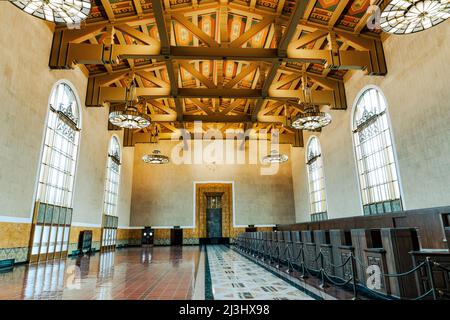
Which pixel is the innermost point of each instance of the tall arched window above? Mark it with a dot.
(53, 210)
(110, 220)
(377, 169)
(316, 180)
(112, 178)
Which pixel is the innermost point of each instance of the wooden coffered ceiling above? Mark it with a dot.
(231, 64)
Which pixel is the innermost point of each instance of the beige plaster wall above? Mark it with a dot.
(163, 195)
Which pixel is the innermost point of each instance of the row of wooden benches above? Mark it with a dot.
(392, 251)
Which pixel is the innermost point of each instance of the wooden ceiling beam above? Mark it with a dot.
(285, 80)
(65, 53)
(286, 38)
(122, 41)
(195, 30)
(338, 12)
(254, 30)
(236, 103)
(172, 68)
(274, 106)
(134, 33)
(307, 39)
(150, 77)
(294, 20)
(280, 6)
(172, 71)
(366, 52)
(109, 10)
(197, 74)
(138, 8)
(309, 8)
(241, 76)
(118, 94)
(203, 107)
(162, 26)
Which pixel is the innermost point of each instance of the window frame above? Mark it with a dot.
(49, 237)
(114, 138)
(381, 94)
(44, 136)
(323, 215)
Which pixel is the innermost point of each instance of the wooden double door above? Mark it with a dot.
(214, 218)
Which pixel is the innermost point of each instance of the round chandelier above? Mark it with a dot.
(311, 119)
(155, 158)
(130, 117)
(58, 11)
(275, 157)
(410, 16)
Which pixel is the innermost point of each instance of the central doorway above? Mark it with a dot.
(214, 217)
(214, 208)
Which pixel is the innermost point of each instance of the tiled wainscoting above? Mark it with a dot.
(166, 242)
(19, 254)
(15, 237)
(14, 240)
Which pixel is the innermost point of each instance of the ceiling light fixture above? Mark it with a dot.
(311, 119)
(58, 11)
(155, 157)
(410, 16)
(130, 117)
(275, 157)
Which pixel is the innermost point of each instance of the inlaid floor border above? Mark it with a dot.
(208, 282)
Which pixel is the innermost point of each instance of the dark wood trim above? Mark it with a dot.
(429, 222)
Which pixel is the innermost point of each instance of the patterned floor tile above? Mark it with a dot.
(233, 277)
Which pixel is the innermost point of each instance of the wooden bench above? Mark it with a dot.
(7, 265)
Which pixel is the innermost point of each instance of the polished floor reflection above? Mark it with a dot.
(148, 273)
(234, 277)
(135, 273)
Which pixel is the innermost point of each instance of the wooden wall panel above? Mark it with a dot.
(429, 222)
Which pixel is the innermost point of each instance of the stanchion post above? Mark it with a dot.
(429, 265)
(355, 289)
(322, 270)
(304, 275)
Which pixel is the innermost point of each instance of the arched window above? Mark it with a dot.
(53, 212)
(110, 220)
(377, 169)
(112, 178)
(316, 180)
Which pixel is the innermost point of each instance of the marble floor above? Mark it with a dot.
(234, 277)
(148, 273)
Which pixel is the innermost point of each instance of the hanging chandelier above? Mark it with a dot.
(58, 11)
(410, 16)
(130, 117)
(155, 157)
(275, 157)
(312, 119)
